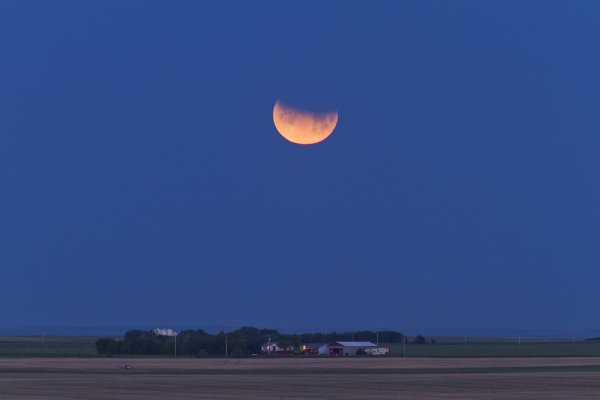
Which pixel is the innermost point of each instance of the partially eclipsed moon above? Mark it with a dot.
(303, 127)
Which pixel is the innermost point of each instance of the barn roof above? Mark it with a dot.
(314, 345)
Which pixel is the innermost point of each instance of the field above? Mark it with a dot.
(486, 347)
(299, 378)
(68, 368)
(54, 346)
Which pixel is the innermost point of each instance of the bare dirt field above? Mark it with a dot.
(299, 378)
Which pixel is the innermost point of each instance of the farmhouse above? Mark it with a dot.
(273, 348)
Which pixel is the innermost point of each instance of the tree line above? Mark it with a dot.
(240, 342)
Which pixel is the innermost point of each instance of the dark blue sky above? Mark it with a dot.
(142, 181)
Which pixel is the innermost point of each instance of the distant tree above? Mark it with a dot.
(391, 337)
(202, 353)
(433, 341)
(370, 336)
(419, 340)
(134, 334)
(190, 342)
(248, 331)
(237, 352)
(107, 346)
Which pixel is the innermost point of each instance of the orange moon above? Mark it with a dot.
(303, 127)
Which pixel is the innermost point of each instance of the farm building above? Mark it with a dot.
(377, 351)
(327, 349)
(273, 348)
(345, 348)
(312, 349)
(164, 332)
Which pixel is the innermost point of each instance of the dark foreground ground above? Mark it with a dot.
(300, 378)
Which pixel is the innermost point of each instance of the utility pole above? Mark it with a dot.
(226, 353)
(404, 341)
(377, 338)
(175, 344)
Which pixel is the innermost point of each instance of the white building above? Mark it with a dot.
(345, 348)
(378, 351)
(164, 332)
(272, 347)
